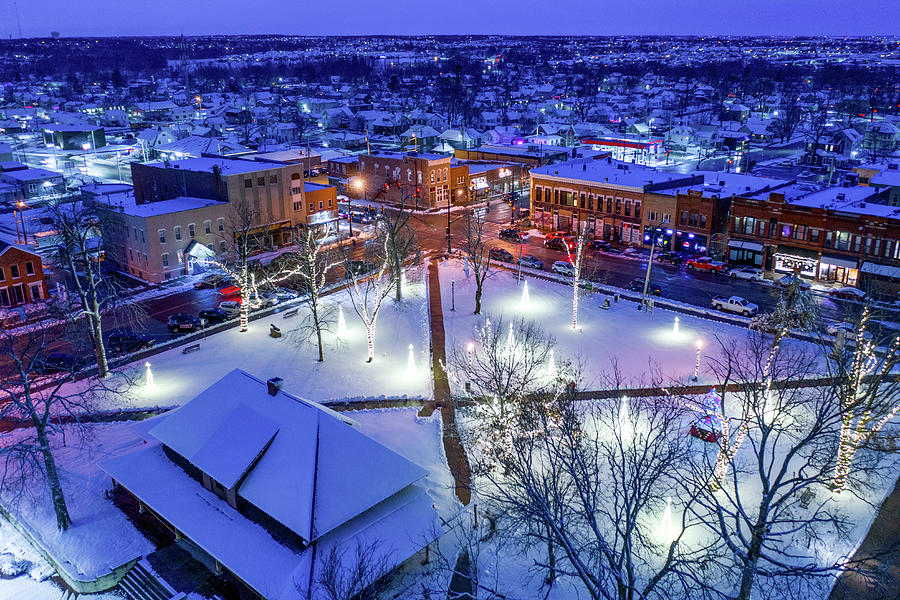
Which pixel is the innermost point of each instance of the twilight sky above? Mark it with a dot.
(359, 17)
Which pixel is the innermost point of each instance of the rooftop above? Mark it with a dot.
(162, 207)
(613, 173)
(206, 165)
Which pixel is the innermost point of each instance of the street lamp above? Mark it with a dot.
(360, 184)
(17, 215)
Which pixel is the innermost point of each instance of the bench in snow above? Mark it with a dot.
(191, 348)
(289, 313)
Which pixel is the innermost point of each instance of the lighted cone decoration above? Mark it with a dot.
(708, 426)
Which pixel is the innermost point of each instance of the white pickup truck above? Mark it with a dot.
(735, 304)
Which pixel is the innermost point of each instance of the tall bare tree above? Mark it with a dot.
(477, 254)
(370, 285)
(399, 242)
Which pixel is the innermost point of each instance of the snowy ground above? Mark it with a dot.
(633, 338)
(344, 373)
(101, 537)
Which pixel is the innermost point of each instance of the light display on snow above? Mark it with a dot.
(526, 298)
(510, 341)
(149, 383)
(551, 366)
(411, 361)
(342, 323)
(708, 426)
(626, 431)
(675, 327)
(667, 532)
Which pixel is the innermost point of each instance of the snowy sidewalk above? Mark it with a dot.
(456, 454)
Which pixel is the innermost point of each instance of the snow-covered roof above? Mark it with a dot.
(163, 207)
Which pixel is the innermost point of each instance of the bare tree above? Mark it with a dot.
(477, 254)
(78, 254)
(868, 394)
(776, 494)
(370, 285)
(358, 573)
(311, 262)
(399, 242)
(577, 267)
(33, 384)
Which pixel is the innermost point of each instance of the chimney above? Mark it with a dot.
(584, 167)
(273, 385)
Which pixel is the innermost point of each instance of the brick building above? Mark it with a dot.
(420, 178)
(21, 276)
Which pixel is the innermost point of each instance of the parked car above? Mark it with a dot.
(286, 294)
(513, 234)
(563, 267)
(599, 245)
(557, 243)
(501, 255)
(232, 291)
(183, 322)
(748, 273)
(735, 304)
(126, 341)
(705, 264)
(269, 298)
(848, 293)
(530, 262)
(231, 308)
(212, 281)
(850, 330)
(637, 285)
(56, 362)
(793, 279)
(214, 315)
(672, 258)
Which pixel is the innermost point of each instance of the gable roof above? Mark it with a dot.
(317, 471)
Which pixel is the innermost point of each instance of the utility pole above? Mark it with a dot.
(649, 265)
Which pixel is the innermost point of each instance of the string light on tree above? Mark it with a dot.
(697, 362)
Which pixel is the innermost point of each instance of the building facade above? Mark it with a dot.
(21, 276)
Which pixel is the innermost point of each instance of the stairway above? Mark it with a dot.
(141, 583)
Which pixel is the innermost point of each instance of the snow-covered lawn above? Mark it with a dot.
(344, 373)
(632, 338)
(101, 537)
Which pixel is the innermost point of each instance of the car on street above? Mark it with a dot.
(794, 280)
(671, 258)
(512, 234)
(232, 291)
(848, 293)
(599, 245)
(361, 217)
(56, 362)
(557, 243)
(212, 281)
(531, 262)
(637, 285)
(183, 322)
(563, 267)
(705, 263)
(748, 273)
(214, 315)
(230, 307)
(850, 330)
(735, 304)
(501, 255)
(285, 294)
(127, 341)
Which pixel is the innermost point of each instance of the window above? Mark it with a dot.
(666, 218)
(180, 255)
(692, 219)
(177, 229)
(273, 179)
(14, 271)
(2, 274)
(813, 234)
(628, 208)
(321, 205)
(637, 208)
(297, 205)
(260, 181)
(608, 205)
(432, 176)
(29, 268)
(787, 230)
(143, 240)
(207, 226)
(221, 223)
(419, 176)
(651, 215)
(165, 259)
(329, 202)
(409, 176)
(684, 217)
(248, 183)
(162, 236)
(35, 291)
(222, 246)
(618, 206)
(311, 207)
(703, 221)
(800, 232)
(192, 230)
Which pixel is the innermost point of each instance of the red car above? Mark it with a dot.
(705, 264)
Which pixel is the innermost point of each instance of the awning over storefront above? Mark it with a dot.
(882, 270)
(801, 252)
(838, 262)
(198, 250)
(745, 245)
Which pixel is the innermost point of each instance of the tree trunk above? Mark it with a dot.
(63, 520)
(477, 296)
(97, 335)
(370, 340)
(314, 304)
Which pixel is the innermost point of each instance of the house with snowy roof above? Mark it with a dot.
(269, 485)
